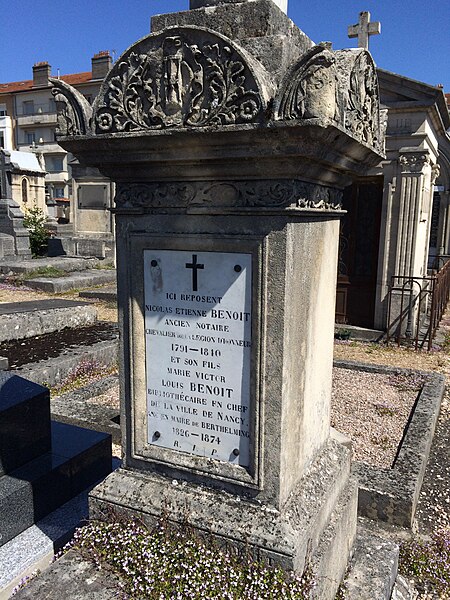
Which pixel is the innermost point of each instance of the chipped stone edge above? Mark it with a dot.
(391, 495)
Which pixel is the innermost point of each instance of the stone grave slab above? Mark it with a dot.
(21, 320)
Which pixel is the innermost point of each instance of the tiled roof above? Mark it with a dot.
(21, 86)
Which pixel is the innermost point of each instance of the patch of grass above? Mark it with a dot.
(49, 271)
(105, 265)
(427, 563)
(87, 371)
(170, 562)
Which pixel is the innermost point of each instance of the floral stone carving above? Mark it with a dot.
(228, 195)
(181, 77)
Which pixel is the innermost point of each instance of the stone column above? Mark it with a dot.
(444, 222)
(414, 202)
(414, 197)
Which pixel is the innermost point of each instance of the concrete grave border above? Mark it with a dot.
(391, 495)
(54, 370)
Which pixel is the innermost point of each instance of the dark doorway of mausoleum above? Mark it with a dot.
(358, 253)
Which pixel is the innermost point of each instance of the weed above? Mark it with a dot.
(104, 266)
(170, 562)
(427, 563)
(48, 271)
(34, 220)
(87, 371)
(386, 410)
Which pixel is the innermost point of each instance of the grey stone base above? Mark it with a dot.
(373, 569)
(72, 578)
(64, 263)
(318, 523)
(73, 409)
(104, 293)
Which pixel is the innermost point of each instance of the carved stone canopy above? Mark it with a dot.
(191, 77)
(188, 104)
(183, 77)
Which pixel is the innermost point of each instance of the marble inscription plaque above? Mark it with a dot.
(198, 346)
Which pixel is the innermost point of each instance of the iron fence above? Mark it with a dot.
(416, 305)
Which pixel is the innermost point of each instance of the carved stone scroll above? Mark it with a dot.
(74, 111)
(309, 90)
(183, 77)
(228, 195)
(358, 85)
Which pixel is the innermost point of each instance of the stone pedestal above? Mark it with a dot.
(227, 219)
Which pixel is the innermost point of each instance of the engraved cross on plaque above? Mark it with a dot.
(363, 29)
(194, 266)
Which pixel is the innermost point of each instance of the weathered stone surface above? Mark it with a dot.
(23, 320)
(373, 569)
(76, 279)
(73, 578)
(103, 293)
(288, 537)
(63, 263)
(73, 409)
(259, 27)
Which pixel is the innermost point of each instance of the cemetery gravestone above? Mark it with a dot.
(229, 178)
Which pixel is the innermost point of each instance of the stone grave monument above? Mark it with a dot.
(230, 136)
(14, 238)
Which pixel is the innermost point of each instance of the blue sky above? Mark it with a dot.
(415, 37)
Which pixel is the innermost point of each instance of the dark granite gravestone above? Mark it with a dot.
(43, 464)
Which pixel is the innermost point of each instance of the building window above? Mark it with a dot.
(28, 107)
(54, 164)
(30, 137)
(58, 192)
(24, 191)
(2, 140)
(3, 112)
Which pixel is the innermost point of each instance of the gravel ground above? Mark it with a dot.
(372, 409)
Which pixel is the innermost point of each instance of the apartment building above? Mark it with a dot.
(28, 122)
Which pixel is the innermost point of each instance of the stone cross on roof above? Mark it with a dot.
(282, 4)
(363, 29)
